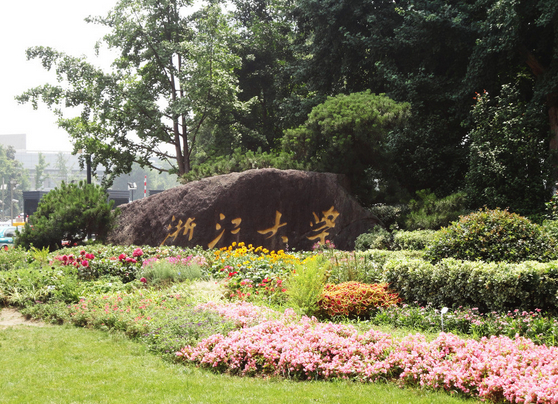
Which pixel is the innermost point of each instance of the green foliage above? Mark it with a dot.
(390, 215)
(240, 161)
(69, 213)
(305, 285)
(366, 266)
(489, 286)
(165, 271)
(493, 235)
(346, 134)
(377, 238)
(541, 329)
(380, 239)
(14, 258)
(354, 299)
(552, 207)
(170, 332)
(510, 164)
(430, 213)
(413, 240)
(31, 284)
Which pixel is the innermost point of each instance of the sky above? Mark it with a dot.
(55, 23)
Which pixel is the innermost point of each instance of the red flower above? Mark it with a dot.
(122, 257)
(85, 263)
(143, 280)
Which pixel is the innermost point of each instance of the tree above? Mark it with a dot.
(69, 213)
(519, 37)
(509, 164)
(14, 180)
(347, 134)
(40, 175)
(61, 166)
(172, 77)
(414, 51)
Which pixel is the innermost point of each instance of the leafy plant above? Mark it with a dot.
(354, 299)
(493, 235)
(69, 214)
(510, 164)
(305, 285)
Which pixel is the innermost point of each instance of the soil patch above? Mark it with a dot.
(10, 317)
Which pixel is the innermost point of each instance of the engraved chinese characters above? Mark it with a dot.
(319, 227)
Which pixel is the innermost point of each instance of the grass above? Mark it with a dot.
(64, 364)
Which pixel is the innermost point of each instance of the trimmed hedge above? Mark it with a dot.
(413, 240)
(489, 286)
(381, 239)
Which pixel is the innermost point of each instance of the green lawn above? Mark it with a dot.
(71, 365)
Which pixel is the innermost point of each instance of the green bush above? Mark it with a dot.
(305, 285)
(430, 213)
(381, 239)
(492, 286)
(69, 213)
(493, 235)
(390, 215)
(377, 238)
(413, 240)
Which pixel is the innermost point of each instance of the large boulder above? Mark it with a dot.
(271, 208)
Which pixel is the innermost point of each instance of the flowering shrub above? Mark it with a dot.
(327, 245)
(498, 368)
(253, 273)
(354, 299)
(90, 268)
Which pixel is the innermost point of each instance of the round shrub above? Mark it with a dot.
(491, 236)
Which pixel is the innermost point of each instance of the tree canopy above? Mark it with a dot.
(172, 77)
(202, 88)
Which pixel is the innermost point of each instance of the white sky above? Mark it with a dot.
(56, 23)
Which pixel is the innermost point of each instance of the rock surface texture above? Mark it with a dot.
(275, 209)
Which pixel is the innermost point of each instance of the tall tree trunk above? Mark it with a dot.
(552, 102)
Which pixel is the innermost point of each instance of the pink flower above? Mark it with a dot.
(137, 252)
(82, 252)
(85, 263)
(122, 257)
(131, 260)
(89, 256)
(143, 280)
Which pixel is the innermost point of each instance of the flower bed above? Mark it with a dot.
(494, 368)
